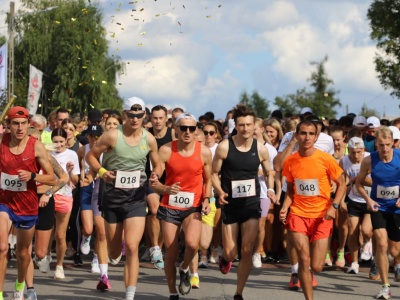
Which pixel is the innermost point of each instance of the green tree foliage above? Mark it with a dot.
(69, 45)
(384, 17)
(256, 103)
(321, 98)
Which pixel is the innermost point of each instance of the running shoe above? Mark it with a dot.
(294, 283)
(157, 259)
(269, 258)
(238, 297)
(366, 251)
(263, 255)
(397, 274)
(43, 264)
(328, 259)
(384, 293)
(340, 261)
(18, 295)
(203, 263)
(314, 279)
(95, 265)
(224, 266)
(103, 284)
(85, 245)
(184, 284)
(31, 294)
(354, 268)
(69, 253)
(174, 297)
(77, 260)
(195, 282)
(374, 272)
(256, 259)
(215, 255)
(146, 255)
(59, 273)
(115, 261)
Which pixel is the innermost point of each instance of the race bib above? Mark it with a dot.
(387, 192)
(307, 187)
(12, 183)
(366, 188)
(243, 188)
(127, 180)
(182, 199)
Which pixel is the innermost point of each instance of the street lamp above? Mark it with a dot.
(11, 28)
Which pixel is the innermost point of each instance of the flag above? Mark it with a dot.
(35, 87)
(3, 69)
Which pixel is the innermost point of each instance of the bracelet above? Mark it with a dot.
(272, 190)
(207, 198)
(101, 172)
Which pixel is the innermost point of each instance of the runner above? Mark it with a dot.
(310, 221)
(187, 193)
(238, 158)
(384, 203)
(20, 159)
(123, 171)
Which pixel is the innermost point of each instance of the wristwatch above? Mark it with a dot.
(33, 175)
(48, 193)
(335, 205)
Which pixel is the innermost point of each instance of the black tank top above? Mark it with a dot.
(160, 141)
(240, 166)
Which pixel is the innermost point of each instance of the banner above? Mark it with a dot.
(3, 69)
(35, 87)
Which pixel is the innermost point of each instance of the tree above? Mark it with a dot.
(69, 45)
(384, 17)
(256, 103)
(321, 98)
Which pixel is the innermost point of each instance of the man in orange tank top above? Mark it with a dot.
(21, 156)
(187, 193)
(310, 221)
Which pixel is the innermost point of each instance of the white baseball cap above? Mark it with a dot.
(133, 101)
(373, 122)
(305, 110)
(396, 132)
(356, 143)
(360, 121)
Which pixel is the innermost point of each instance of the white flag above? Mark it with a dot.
(35, 87)
(3, 68)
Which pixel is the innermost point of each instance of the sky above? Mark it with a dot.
(202, 54)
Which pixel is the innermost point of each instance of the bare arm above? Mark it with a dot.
(207, 183)
(269, 174)
(365, 169)
(281, 156)
(287, 202)
(42, 157)
(220, 155)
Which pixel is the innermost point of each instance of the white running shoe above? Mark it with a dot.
(257, 260)
(203, 263)
(85, 245)
(95, 265)
(354, 268)
(146, 255)
(43, 264)
(115, 261)
(366, 251)
(59, 273)
(384, 293)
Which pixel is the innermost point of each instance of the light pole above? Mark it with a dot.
(11, 28)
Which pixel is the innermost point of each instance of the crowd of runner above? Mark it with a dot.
(297, 189)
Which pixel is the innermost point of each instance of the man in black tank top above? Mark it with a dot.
(163, 135)
(237, 159)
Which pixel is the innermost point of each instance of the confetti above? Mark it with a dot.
(157, 15)
(78, 47)
(120, 83)
(103, 81)
(84, 67)
(140, 44)
(179, 23)
(208, 17)
(183, 6)
(122, 28)
(73, 19)
(113, 35)
(118, 23)
(95, 41)
(219, 5)
(136, 19)
(57, 22)
(143, 33)
(142, 9)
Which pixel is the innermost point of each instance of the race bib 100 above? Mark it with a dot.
(307, 187)
(387, 192)
(243, 188)
(182, 199)
(127, 179)
(12, 183)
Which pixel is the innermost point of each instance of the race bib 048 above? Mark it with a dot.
(307, 187)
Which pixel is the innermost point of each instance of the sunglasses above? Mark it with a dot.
(211, 133)
(135, 108)
(185, 128)
(132, 116)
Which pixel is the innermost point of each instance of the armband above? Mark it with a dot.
(101, 172)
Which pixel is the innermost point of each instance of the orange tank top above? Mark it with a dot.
(189, 172)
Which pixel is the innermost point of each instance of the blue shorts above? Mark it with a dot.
(21, 222)
(86, 197)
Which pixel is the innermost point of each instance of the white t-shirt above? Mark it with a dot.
(63, 158)
(323, 143)
(261, 178)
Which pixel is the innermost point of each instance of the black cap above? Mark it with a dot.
(316, 120)
(95, 115)
(277, 114)
(94, 130)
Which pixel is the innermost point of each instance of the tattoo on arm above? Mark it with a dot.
(58, 170)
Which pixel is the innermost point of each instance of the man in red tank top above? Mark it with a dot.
(21, 157)
(187, 193)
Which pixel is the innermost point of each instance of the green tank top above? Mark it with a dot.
(124, 157)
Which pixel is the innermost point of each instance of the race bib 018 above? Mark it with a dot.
(127, 179)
